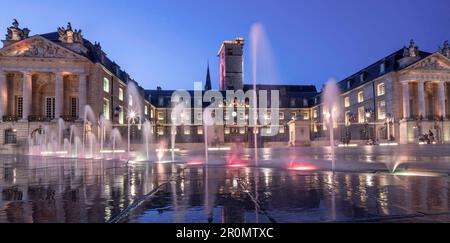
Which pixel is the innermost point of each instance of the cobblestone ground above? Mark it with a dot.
(287, 185)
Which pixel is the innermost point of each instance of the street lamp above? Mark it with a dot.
(131, 118)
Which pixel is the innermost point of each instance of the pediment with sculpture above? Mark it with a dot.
(38, 47)
(432, 63)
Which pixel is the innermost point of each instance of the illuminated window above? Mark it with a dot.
(152, 113)
(106, 108)
(120, 94)
(347, 118)
(187, 130)
(293, 115)
(130, 100)
(315, 128)
(380, 89)
(281, 115)
(161, 116)
(106, 85)
(315, 114)
(347, 101)
(361, 115)
(381, 110)
(160, 131)
(242, 130)
(200, 130)
(361, 97)
(146, 110)
(121, 115)
(281, 130)
(305, 116)
(227, 130)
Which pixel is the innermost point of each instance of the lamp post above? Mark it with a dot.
(131, 118)
(368, 116)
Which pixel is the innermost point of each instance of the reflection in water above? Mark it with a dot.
(68, 190)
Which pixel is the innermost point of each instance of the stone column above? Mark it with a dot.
(82, 90)
(421, 101)
(441, 95)
(59, 95)
(406, 105)
(27, 86)
(3, 95)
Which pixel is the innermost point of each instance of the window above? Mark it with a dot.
(382, 68)
(281, 130)
(199, 116)
(106, 108)
(106, 85)
(362, 77)
(74, 107)
(146, 110)
(281, 116)
(121, 115)
(361, 115)
(227, 130)
(381, 110)
(347, 118)
(380, 89)
(50, 107)
(315, 114)
(187, 130)
(10, 136)
(349, 84)
(200, 130)
(152, 113)
(19, 106)
(120, 94)
(242, 130)
(130, 100)
(292, 102)
(305, 103)
(347, 101)
(160, 131)
(361, 96)
(305, 116)
(293, 115)
(161, 116)
(161, 101)
(315, 128)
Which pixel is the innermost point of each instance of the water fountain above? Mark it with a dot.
(330, 98)
(89, 119)
(146, 132)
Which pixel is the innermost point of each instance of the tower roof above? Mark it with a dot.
(208, 79)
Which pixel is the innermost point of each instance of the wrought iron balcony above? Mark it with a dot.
(11, 118)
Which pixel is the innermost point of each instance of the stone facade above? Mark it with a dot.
(47, 77)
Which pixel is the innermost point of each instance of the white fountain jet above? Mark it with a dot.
(330, 98)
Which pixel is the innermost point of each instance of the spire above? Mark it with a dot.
(208, 80)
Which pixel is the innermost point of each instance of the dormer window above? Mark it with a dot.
(349, 84)
(305, 102)
(382, 68)
(362, 77)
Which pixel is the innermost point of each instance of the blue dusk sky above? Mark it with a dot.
(168, 42)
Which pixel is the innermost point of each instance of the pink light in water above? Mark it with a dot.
(301, 167)
(195, 162)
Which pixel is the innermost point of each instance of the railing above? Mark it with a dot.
(69, 118)
(11, 118)
(39, 119)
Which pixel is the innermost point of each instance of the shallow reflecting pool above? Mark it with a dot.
(45, 189)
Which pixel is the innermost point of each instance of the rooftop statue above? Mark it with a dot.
(411, 51)
(68, 35)
(15, 33)
(445, 50)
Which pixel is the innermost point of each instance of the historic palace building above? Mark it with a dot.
(56, 75)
